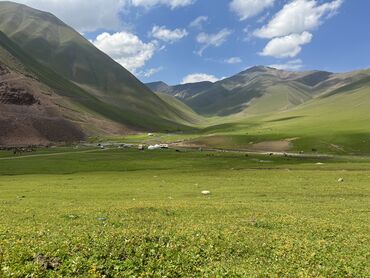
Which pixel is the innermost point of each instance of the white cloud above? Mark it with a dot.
(290, 65)
(263, 18)
(248, 8)
(170, 3)
(288, 46)
(167, 35)
(126, 48)
(212, 39)
(150, 72)
(198, 22)
(83, 15)
(298, 16)
(233, 60)
(199, 77)
(91, 15)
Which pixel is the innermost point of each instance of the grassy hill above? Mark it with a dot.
(112, 90)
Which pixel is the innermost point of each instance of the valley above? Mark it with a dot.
(233, 171)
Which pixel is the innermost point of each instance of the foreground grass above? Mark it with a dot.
(118, 213)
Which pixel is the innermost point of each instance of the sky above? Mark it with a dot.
(183, 41)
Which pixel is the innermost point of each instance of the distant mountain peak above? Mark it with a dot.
(259, 68)
(158, 83)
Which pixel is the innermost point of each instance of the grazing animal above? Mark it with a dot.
(206, 192)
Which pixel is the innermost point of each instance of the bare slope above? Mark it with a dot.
(29, 114)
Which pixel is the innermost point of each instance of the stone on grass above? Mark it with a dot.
(48, 263)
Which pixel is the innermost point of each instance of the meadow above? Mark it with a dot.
(124, 213)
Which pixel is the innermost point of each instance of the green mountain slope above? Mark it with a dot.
(259, 90)
(186, 111)
(273, 110)
(56, 46)
(83, 101)
(336, 122)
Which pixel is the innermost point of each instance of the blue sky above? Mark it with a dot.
(192, 40)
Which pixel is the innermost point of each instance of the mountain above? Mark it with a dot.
(159, 87)
(259, 90)
(310, 112)
(55, 86)
(184, 91)
(77, 70)
(192, 116)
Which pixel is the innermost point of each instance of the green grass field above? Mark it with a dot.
(122, 213)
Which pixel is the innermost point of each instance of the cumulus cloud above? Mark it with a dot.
(215, 40)
(248, 8)
(198, 22)
(167, 35)
(126, 48)
(199, 77)
(298, 16)
(233, 60)
(290, 65)
(170, 3)
(288, 46)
